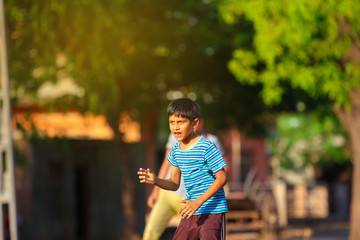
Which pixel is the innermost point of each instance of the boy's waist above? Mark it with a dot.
(204, 211)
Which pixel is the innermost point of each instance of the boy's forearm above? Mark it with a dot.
(166, 184)
(148, 176)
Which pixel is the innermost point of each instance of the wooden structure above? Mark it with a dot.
(252, 211)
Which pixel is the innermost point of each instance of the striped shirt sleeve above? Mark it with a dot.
(214, 159)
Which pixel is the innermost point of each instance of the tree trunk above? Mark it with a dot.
(149, 130)
(355, 200)
(351, 121)
(130, 226)
(131, 230)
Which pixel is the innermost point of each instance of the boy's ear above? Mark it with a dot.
(195, 123)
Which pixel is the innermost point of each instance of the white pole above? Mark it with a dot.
(7, 177)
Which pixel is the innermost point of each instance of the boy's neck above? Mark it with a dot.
(189, 142)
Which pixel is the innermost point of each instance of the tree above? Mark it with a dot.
(311, 45)
(127, 55)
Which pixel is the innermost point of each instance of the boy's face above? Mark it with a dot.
(181, 127)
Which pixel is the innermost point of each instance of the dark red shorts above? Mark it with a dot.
(204, 226)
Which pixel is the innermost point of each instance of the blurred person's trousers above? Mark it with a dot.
(167, 206)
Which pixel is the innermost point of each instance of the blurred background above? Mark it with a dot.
(277, 82)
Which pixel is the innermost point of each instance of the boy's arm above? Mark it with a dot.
(191, 206)
(226, 168)
(148, 176)
(162, 174)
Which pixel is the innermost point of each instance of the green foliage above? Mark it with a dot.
(127, 54)
(308, 44)
(303, 141)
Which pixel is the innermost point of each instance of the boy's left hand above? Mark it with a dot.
(147, 176)
(189, 208)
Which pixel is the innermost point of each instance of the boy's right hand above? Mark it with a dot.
(146, 176)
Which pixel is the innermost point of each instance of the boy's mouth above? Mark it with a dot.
(177, 134)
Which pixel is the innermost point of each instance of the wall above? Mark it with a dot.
(76, 190)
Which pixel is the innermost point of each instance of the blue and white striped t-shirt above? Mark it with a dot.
(198, 166)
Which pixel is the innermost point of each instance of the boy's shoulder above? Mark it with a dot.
(204, 142)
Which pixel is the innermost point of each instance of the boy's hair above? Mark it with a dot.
(184, 107)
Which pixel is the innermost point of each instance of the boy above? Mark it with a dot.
(202, 167)
(166, 204)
